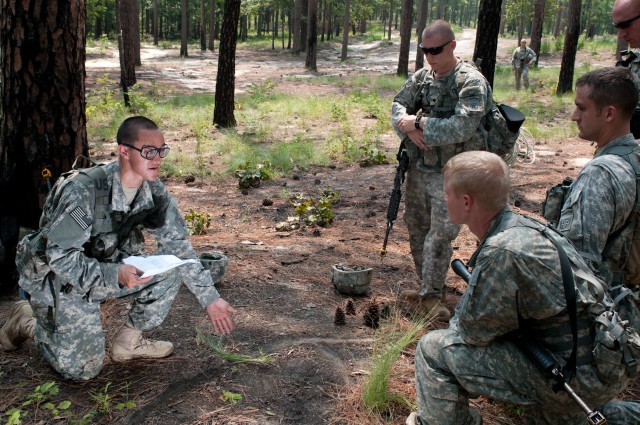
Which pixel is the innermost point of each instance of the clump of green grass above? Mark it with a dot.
(390, 340)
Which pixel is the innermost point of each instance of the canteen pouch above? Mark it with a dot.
(556, 195)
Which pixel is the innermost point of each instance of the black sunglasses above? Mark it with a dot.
(625, 24)
(433, 50)
(149, 152)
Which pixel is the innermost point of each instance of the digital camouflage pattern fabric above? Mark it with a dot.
(71, 264)
(455, 105)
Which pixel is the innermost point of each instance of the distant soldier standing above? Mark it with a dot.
(520, 61)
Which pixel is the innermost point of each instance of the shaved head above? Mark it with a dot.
(439, 27)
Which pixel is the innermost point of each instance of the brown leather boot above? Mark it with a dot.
(19, 327)
(431, 307)
(129, 344)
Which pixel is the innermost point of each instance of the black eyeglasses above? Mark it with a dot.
(150, 152)
(433, 50)
(625, 24)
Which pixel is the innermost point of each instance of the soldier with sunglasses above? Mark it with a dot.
(437, 114)
(91, 221)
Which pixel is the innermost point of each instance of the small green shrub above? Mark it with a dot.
(197, 223)
(250, 175)
(316, 211)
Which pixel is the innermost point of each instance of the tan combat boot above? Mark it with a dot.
(430, 307)
(19, 327)
(129, 344)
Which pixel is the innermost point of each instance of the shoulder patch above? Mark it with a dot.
(80, 217)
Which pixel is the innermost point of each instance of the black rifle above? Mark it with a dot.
(542, 359)
(396, 193)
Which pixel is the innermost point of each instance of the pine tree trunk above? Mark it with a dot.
(184, 30)
(312, 39)
(405, 38)
(487, 37)
(212, 26)
(225, 80)
(345, 33)
(536, 28)
(43, 122)
(423, 7)
(128, 56)
(565, 81)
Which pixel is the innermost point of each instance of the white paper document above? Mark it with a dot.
(155, 264)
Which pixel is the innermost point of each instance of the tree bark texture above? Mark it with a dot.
(127, 15)
(225, 80)
(423, 7)
(43, 122)
(484, 53)
(405, 38)
(536, 28)
(345, 33)
(212, 20)
(184, 30)
(312, 39)
(565, 81)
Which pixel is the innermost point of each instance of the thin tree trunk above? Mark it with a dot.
(312, 39)
(536, 28)
(405, 38)
(212, 25)
(565, 81)
(184, 30)
(487, 37)
(225, 79)
(423, 6)
(345, 33)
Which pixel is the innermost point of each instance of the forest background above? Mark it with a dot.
(291, 179)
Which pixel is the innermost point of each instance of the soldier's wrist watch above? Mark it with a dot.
(418, 118)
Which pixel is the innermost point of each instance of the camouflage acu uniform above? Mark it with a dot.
(596, 214)
(520, 64)
(71, 265)
(634, 67)
(455, 105)
(516, 283)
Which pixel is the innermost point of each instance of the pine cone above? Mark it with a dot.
(350, 309)
(372, 315)
(339, 317)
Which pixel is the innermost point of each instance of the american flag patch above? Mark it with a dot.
(79, 217)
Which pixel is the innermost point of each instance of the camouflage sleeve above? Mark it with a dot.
(462, 125)
(404, 103)
(634, 67)
(71, 223)
(172, 237)
(532, 55)
(598, 204)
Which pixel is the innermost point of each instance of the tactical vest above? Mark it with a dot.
(630, 274)
(553, 335)
(438, 99)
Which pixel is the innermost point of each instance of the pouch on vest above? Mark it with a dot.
(556, 195)
(502, 132)
(616, 350)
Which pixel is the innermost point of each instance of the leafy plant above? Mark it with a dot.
(229, 397)
(250, 175)
(316, 211)
(197, 223)
(39, 399)
(373, 156)
(261, 92)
